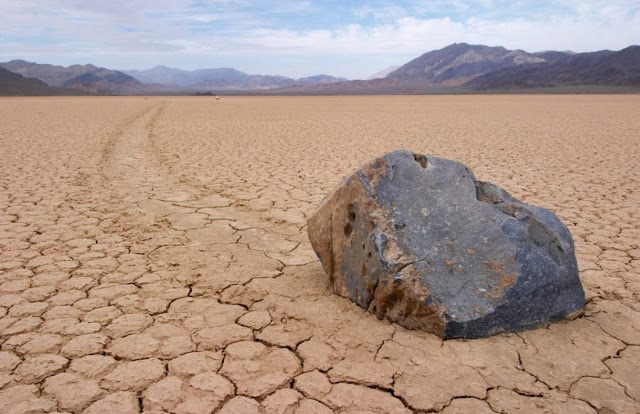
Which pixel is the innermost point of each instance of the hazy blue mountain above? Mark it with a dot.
(223, 78)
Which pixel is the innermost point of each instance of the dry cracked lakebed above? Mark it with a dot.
(154, 256)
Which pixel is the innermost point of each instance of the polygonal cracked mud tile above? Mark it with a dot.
(303, 254)
(216, 232)
(84, 345)
(132, 347)
(379, 374)
(282, 401)
(507, 401)
(587, 344)
(468, 406)
(203, 393)
(118, 402)
(625, 370)
(188, 221)
(258, 370)
(72, 392)
(242, 295)
(134, 376)
(160, 208)
(128, 324)
(193, 363)
(618, 320)
(497, 360)
(357, 398)
(605, 395)
(313, 384)
(93, 366)
(266, 241)
(318, 354)
(312, 406)
(255, 320)
(35, 369)
(213, 339)
(242, 405)
(288, 334)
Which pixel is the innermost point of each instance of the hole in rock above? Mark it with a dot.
(420, 159)
(352, 213)
(348, 230)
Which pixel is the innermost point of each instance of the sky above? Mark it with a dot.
(349, 38)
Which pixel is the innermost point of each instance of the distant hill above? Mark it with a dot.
(86, 78)
(170, 76)
(459, 62)
(222, 79)
(14, 84)
(457, 68)
(319, 80)
(464, 68)
(603, 68)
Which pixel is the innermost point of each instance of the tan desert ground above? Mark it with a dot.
(154, 256)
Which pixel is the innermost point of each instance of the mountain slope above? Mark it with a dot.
(14, 84)
(603, 68)
(459, 62)
(383, 73)
(82, 77)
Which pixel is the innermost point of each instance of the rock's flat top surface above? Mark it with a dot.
(179, 224)
(420, 241)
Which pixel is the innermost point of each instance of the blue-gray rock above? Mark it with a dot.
(418, 240)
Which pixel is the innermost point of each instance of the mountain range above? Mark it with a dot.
(86, 78)
(12, 84)
(464, 68)
(457, 68)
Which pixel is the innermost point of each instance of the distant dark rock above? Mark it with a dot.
(418, 240)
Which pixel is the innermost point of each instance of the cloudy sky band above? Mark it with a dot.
(300, 38)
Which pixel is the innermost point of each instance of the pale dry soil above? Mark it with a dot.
(154, 256)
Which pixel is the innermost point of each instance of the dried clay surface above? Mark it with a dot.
(154, 256)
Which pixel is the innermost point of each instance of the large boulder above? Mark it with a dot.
(418, 240)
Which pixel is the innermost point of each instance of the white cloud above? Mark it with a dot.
(143, 33)
(609, 27)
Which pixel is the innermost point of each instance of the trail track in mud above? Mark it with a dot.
(154, 258)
